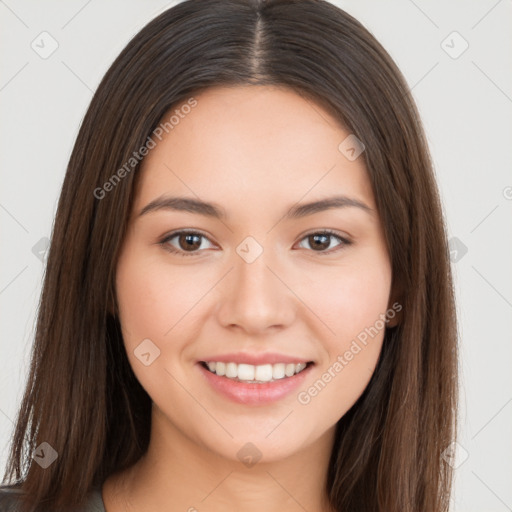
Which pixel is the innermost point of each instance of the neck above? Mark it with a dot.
(178, 474)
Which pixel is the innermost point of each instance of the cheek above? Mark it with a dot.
(357, 297)
(141, 303)
(153, 298)
(351, 298)
(152, 304)
(159, 303)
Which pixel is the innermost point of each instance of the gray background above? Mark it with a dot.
(466, 104)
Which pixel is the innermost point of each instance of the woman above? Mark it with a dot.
(248, 301)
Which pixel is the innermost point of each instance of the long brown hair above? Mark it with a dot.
(82, 397)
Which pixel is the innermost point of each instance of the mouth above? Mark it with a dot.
(255, 374)
(254, 384)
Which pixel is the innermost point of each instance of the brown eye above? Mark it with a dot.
(188, 243)
(321, 241)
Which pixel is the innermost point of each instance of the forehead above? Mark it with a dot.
(259, 144)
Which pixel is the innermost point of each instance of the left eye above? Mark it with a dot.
(322, 241)
(190, 242)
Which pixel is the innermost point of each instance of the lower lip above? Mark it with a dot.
(254, 394)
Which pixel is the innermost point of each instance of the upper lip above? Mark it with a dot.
(255, 359)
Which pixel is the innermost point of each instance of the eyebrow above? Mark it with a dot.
(190, 205)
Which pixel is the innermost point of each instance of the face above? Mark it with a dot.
(253, 318)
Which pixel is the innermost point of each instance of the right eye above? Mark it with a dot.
(188, 242)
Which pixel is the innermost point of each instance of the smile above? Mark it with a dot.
(254, 384)
(254, 374)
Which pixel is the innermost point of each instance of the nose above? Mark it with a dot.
(255, 297)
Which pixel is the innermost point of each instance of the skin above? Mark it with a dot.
(256, 151)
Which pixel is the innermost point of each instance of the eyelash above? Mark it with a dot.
(165, 241)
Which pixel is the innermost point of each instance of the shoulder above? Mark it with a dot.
(10, 498)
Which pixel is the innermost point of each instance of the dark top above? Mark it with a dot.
(9, 498)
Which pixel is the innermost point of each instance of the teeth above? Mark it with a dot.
(220, 368)
(289, 369)
(231, 370)
(245, 372)
(251, 373)
(278, 371)
(263, 373)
